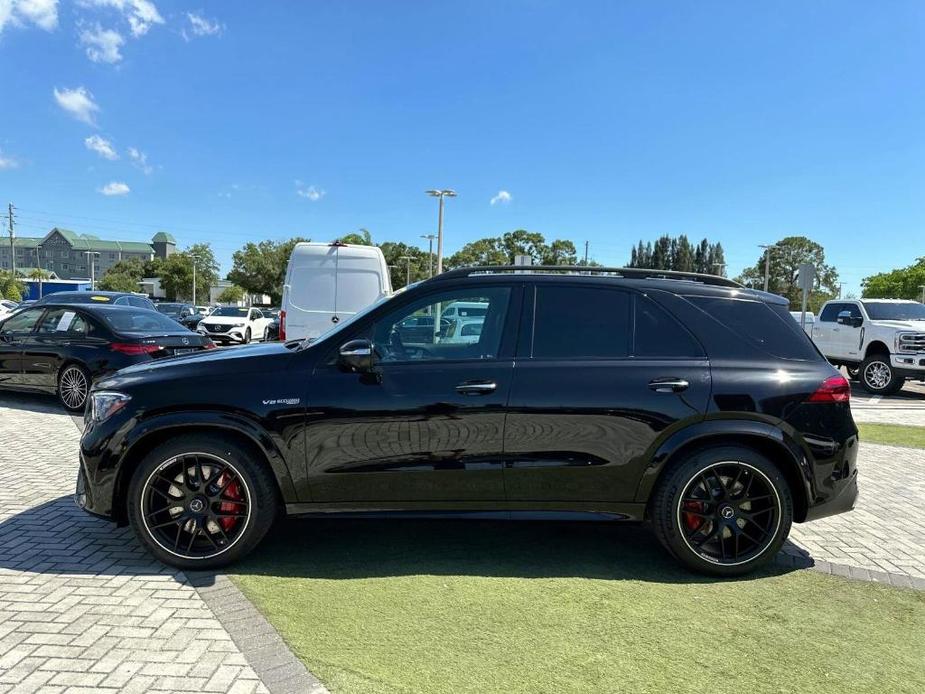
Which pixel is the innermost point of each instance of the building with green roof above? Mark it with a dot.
(67, 253)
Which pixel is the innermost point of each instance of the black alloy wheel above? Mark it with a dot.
(723, 511)
(198, 502)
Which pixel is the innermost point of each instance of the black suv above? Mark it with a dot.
(683, 400)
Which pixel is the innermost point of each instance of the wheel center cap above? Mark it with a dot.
(197, 505)
(727, 512)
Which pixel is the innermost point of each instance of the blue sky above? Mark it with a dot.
(603, 122)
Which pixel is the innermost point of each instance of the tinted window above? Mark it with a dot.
(770, 328)
(139, 302)
(61, 321)
(429, 330)
(132, 320)
(882, 310)
(580, 322)
(22, 322)
(658, 334)
(235, 311)
(830, 313)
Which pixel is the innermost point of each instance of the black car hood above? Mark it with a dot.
(218, 362)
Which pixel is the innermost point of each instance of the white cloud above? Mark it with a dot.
(8, 162)
(79, 103)
(101, 146)
(140, 160)
(41, 13)
(503, 198)
(310, 192)
(102, 44)
(114, 188)
(200, 25)
(140, 14)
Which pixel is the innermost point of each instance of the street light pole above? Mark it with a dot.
(195, 258)
(90, 256)
(407, 259)
(922, 287)
(440, 194)
(430, 252)
(767, 262)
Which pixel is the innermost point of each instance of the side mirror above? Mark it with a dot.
(356, 356)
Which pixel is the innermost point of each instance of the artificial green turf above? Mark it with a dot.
(892, 434)
(418, 606)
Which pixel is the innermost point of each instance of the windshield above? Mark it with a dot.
(140, 321)
(236, 311)
(882, 310)
(170, 309)
(335, 329)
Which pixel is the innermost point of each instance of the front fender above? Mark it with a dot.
(720, 428)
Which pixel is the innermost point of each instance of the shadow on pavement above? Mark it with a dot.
(57, 537)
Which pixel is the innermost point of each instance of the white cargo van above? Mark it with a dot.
(328, 282)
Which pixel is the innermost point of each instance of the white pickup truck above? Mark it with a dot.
(880, 341)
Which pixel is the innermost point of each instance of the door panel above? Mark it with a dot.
(406, 434)
(13, 331)
(576, 431)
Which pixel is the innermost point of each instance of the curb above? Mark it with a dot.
(856, 573)
(266, 652)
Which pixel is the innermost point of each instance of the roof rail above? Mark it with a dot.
(631, 273)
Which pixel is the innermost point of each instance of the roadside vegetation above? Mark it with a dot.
(892, 434)
(415, 606)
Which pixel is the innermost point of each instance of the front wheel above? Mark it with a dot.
(73, 387)
(724, 511)
(247, 336)
(879, 377)
(198, 502)
(854, 372)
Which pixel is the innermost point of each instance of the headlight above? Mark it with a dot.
(104, 404)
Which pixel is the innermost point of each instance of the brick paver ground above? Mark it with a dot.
(82, 607)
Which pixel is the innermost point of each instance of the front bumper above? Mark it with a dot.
(908, 365)
(235, 334)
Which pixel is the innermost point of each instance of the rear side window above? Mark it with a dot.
(659, 335)
(580, 323)
(769, 328)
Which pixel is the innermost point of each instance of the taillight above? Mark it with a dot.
(208, 344)
(133, 348)
(282, 326)
(833, 389)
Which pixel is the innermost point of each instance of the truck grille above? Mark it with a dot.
(912, 342)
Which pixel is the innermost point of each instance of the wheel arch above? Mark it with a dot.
(876, 347)
(153, 436)
(762, 437)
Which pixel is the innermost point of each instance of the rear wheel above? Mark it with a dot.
(879, 377)
(197, 502)
(724, 511)
(73, 387)
(854, 372)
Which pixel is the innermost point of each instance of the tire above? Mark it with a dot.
(73, 387)
(702, 516)
(878, 376)
(854, 372)
(198, 502)
(247, 336)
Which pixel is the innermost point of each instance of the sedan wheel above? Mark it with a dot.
(73, 387)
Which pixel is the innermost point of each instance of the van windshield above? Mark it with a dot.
(335, 329)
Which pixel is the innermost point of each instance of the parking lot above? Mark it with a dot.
(83, 608)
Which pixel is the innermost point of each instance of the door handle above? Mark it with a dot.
(668, 385)
(476, 387)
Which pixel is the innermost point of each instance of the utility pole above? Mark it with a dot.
(586, 252)
(440, 194)
(90, 256)
(38, 263)
(12, 241)
(430, 252)
(841, 285)
(407, 259)
(767, 262)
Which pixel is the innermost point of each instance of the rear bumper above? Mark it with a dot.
(835, 484)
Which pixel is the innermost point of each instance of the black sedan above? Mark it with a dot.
(63, 348)
(96, 299)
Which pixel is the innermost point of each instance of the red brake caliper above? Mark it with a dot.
(691, 520)
(233, 492)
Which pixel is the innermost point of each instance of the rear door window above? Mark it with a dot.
(572, 322)
(769, 328)
(659, 335)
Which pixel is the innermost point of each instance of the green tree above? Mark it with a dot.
(560, 252)
(786, 257)
(678, 253)
(489, 251)
(360, 237)
(395, 253)
(125, 275)
(901, 283)
(11, 287)
(231, 295)
(260, 268)
(504, 249)
(176, 272)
